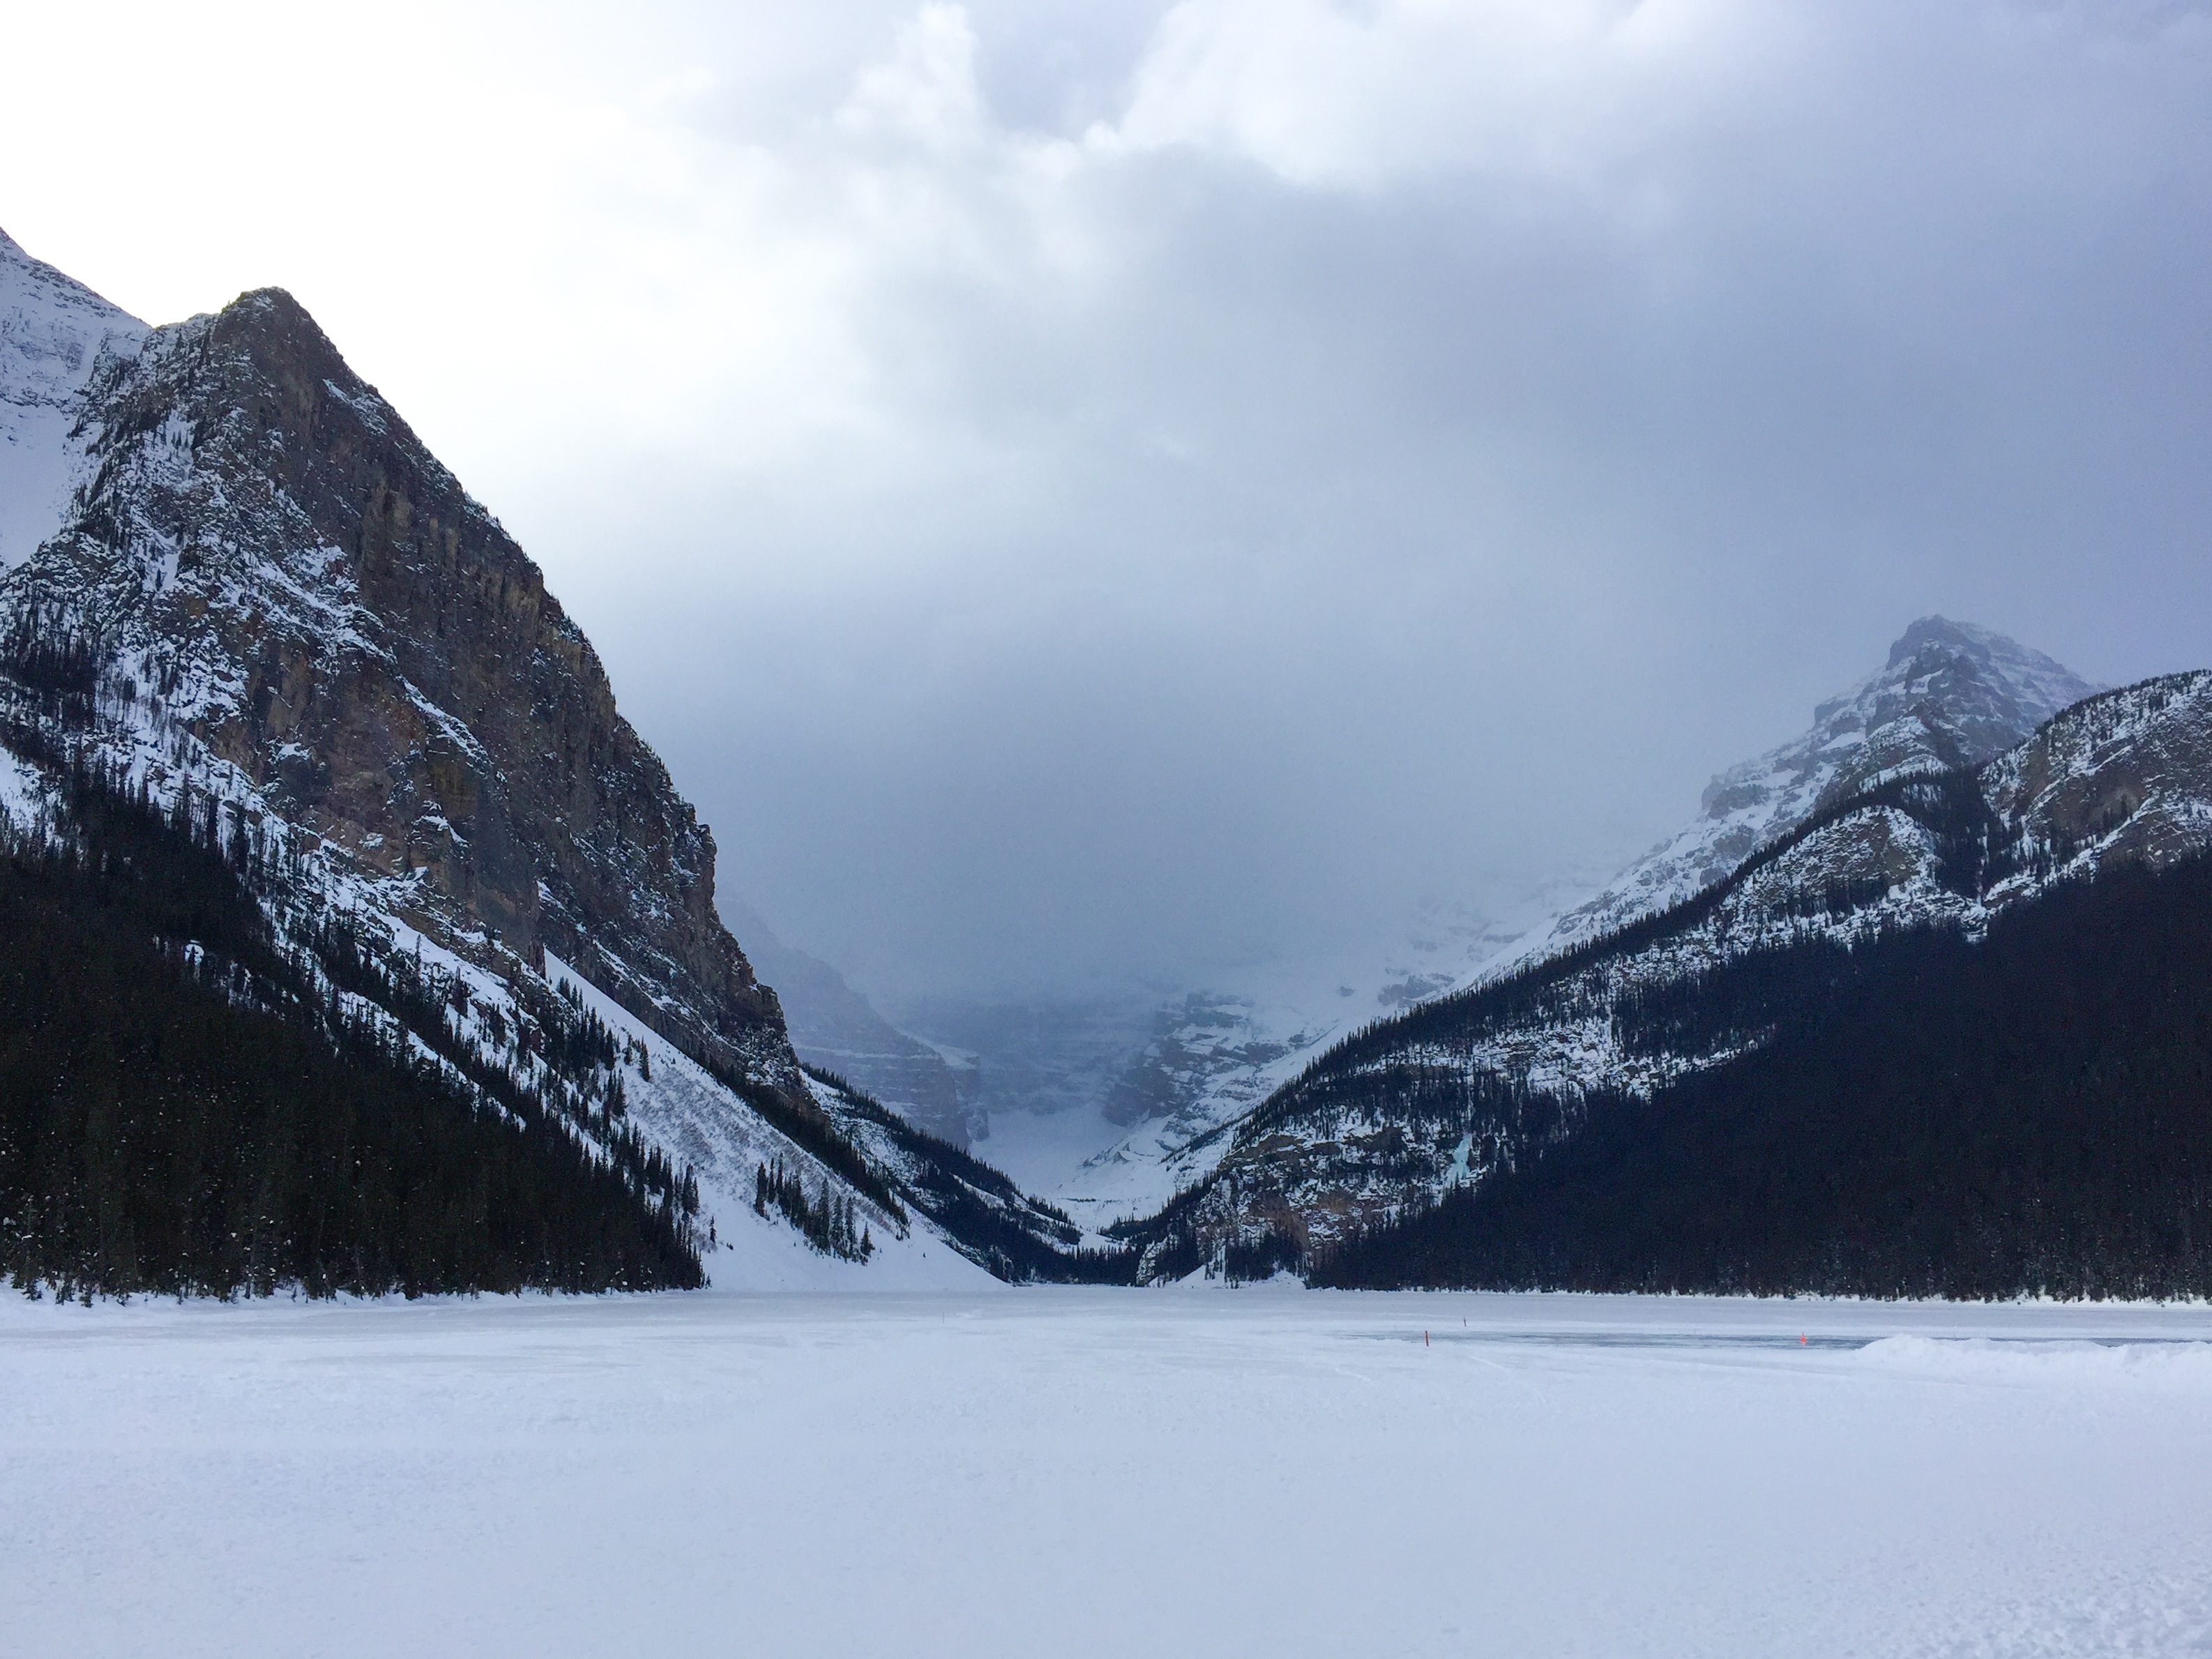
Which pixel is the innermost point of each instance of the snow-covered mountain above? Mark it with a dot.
(1088, 1099)
(1950, 695)
(52, 332)
(1209, 1056)
(836, 1028)
(1899, 837)
(239, 577)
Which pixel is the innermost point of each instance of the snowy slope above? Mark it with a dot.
(53, 331)
(687, 1111)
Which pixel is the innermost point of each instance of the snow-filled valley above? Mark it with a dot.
(1104, 1472)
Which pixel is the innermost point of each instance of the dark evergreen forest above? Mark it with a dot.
(185, 1108)
(2029, 1115)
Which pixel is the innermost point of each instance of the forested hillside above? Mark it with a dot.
(187, 1107)
(2030, 1114)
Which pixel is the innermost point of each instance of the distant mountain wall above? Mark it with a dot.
(835, 1027)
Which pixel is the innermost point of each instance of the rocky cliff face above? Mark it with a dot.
(268, 560)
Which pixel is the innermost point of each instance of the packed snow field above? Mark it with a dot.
(1267, 1472)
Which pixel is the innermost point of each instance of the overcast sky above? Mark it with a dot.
(1086, 489)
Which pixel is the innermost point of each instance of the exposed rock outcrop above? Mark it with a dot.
(269, 559)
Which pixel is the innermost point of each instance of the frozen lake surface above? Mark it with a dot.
(1062, 1472)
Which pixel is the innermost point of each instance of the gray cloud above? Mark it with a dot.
(1084, 491)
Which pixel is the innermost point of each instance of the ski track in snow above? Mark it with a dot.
(1081, 1473)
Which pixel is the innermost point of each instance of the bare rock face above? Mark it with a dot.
(264, 558)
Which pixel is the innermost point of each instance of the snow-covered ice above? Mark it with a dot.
(1267, 1472)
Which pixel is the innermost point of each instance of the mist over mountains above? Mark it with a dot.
(1112, 1104)
(1074, 526)
(296, 737)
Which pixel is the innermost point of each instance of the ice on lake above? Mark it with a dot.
(1064, 1472)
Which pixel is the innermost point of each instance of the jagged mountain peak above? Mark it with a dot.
(1950, 694)
(1973, 688)
(1985, 645)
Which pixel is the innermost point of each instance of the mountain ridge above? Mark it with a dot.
(1945, 690)
(1438, 1097)
(1950, 694)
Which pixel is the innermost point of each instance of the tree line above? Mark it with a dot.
(187, 1108)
